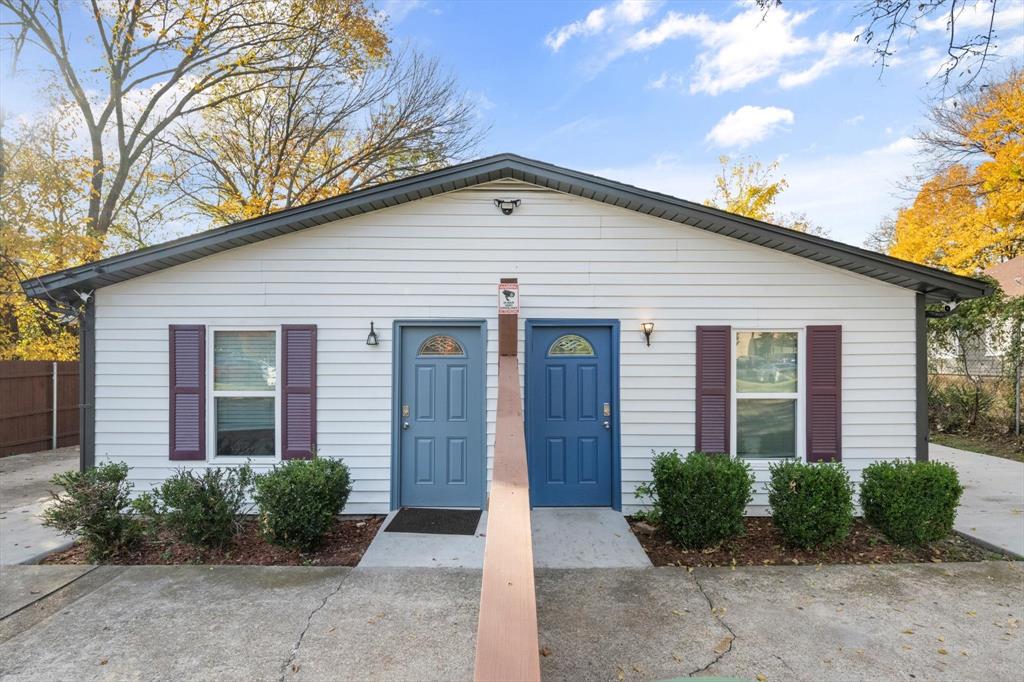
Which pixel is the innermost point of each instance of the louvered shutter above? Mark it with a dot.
(298, 391)
(824, 393)
(187, 380)
(713, 377)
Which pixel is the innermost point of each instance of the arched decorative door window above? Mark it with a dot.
(440, 344)
(571, 344)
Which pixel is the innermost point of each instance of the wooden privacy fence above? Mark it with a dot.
(38, 405)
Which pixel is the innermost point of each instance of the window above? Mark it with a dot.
(767, 394)
(440, 344)
(571, 344)
(244, 395)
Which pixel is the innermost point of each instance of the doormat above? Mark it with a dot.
(436, 521)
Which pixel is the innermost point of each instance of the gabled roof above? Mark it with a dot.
(936, 284)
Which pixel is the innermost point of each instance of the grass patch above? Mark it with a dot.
(1005, 446)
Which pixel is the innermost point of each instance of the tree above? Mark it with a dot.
(43, 227)
(968, 50)
(749, 188)
(969, 214)
(157, 63)
(881, 238)
(316, 133)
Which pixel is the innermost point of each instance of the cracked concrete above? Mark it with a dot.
(718, 615)
(783, 623)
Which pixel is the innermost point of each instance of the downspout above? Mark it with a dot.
(87, 386)
(921, 376)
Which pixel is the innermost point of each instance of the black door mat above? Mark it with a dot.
(436, 521)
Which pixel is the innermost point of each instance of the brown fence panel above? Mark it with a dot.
(26, 405)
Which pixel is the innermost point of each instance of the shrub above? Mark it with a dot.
(812, 504)
(203, 508)
(94, 506)
(913, 503)
(699, 500)
(299, 500)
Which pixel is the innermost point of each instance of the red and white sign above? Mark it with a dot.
(508, 298)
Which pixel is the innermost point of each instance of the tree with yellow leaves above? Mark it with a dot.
(749, 188)
(43, 227)
(970, 214)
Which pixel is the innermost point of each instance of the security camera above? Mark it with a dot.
(950, 306)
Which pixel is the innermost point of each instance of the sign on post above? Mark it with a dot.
(508, 298)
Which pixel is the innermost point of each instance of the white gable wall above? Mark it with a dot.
(442, 258)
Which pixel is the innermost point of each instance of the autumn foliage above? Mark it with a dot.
(970, 214)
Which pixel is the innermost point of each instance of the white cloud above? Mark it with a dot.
(749, 47)
(854, 120)
(621, 13)
(397, 10)
(848, 194)
(748, 124)
(903, 145)
(977, 16)
(838, 49)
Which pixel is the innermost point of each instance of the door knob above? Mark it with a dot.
(607, 424)
(405, 425)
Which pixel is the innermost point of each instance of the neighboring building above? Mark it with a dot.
(251, 340)
(1010, 276)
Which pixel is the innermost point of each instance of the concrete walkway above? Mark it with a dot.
(936, 622)
(583, 537)
(24, 490)
(992, 508)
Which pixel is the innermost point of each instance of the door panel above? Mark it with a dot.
(441, 455)
(569, 438)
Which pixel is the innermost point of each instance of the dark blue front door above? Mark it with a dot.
(569, 416)
(441, 411)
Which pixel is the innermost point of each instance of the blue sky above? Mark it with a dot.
(652, 93)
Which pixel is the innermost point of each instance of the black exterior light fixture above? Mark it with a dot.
(371, 339)
(507, 205)
(648, 329)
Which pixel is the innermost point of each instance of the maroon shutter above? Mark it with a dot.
(714, 359)
(824, 393)
(298, 391)
(188, 391)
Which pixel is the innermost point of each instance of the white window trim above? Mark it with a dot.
(758, 463)
(211, 395)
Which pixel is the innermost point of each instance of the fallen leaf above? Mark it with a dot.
(637, 668)
(723, 646)
(908, 631)
(545, 652)
(943, 652)
(907, 647)
(677, 657)
(941, 638)
(761, 677)
(622, 674)
(103, 661)
(972, 614)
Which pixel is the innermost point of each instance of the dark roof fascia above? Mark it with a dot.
(936, 284)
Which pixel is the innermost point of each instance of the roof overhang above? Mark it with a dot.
(937, 285)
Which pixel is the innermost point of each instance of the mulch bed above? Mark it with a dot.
(762, 545)
(344, 545)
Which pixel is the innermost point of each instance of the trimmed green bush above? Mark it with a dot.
(95, 506)
(204, 508)
(812, 504)
(913, 503)
(699, 500)
(299, 500)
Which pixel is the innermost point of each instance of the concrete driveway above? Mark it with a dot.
(24, 489)
(940, 622)
(992, 508)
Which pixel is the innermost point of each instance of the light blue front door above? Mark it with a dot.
(441, 412)
(569, 415)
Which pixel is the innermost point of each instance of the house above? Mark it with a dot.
(365, 327)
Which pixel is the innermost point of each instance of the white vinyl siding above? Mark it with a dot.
(442, 258)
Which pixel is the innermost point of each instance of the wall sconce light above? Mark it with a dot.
(648, 328)
(507, 205)
(371, 339)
